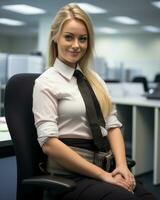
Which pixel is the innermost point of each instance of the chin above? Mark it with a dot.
(73, 61)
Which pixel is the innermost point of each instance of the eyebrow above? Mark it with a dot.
(73, 34)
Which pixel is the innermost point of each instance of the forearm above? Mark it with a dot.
(69, 159)
(117, 145)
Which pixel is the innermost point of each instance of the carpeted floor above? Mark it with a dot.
(147, 180)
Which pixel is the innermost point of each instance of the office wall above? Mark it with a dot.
(18, 44)
(43, 34)
(131, 51)
(4, 44)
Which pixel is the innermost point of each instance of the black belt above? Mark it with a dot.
(81, 143)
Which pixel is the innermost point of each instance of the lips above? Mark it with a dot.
(74, 53)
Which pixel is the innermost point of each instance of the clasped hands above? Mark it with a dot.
(121, 176)
(124, 177)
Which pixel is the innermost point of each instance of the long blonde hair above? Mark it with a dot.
(73, 11)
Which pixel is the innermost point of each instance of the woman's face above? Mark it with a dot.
(72, 42)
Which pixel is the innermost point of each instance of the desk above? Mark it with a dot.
(6, 145)
(141, 120)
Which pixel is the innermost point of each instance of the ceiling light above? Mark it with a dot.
(124, 20)
(152, 29)
(24, 9)
(156, 3)
(91, 8)
(106, 30)
(11, 22)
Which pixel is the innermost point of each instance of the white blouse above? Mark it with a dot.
(58, 106)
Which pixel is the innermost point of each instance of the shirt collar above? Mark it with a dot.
(64, 69)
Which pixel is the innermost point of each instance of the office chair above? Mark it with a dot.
(141, 79)
(31, 182)
(157, 78)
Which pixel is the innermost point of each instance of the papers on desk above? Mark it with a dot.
(3, 125)
(3, 128)
(4, 136)
(4, 133)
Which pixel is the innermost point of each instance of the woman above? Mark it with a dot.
(60, 114)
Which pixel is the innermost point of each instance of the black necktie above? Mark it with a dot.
(93, 111)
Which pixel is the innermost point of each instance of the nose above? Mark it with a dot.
(75, 43)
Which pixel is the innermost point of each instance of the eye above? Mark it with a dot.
(68, 37)
(83, 39)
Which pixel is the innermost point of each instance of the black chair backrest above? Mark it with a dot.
(157, 78)
(20, 121)
(141, 79)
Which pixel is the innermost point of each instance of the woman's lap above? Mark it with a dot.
(90, 189)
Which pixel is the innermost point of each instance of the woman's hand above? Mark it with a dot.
(116, 180)
(126, 175)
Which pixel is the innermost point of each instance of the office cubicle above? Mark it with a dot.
(141, 128)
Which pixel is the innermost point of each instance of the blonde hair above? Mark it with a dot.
(73, 11)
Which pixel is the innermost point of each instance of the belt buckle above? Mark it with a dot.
(107, 166)
(102, 160)
(99, 159)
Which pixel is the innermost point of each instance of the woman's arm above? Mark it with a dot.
(70, 160)
(118, 148)
(117, 145)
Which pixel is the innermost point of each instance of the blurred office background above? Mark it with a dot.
(127, 44)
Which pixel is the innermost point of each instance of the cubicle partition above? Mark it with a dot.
(141, 129)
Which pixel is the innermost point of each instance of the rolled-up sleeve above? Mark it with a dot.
(112, 120)
(45, 111)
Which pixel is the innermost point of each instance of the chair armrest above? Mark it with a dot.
(131, 163)
(50, 182)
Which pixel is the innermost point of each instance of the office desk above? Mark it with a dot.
(6, 145)
(141, 120)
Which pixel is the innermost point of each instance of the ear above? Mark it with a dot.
(55, 39)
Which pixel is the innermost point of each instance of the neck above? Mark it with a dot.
(69, 64)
